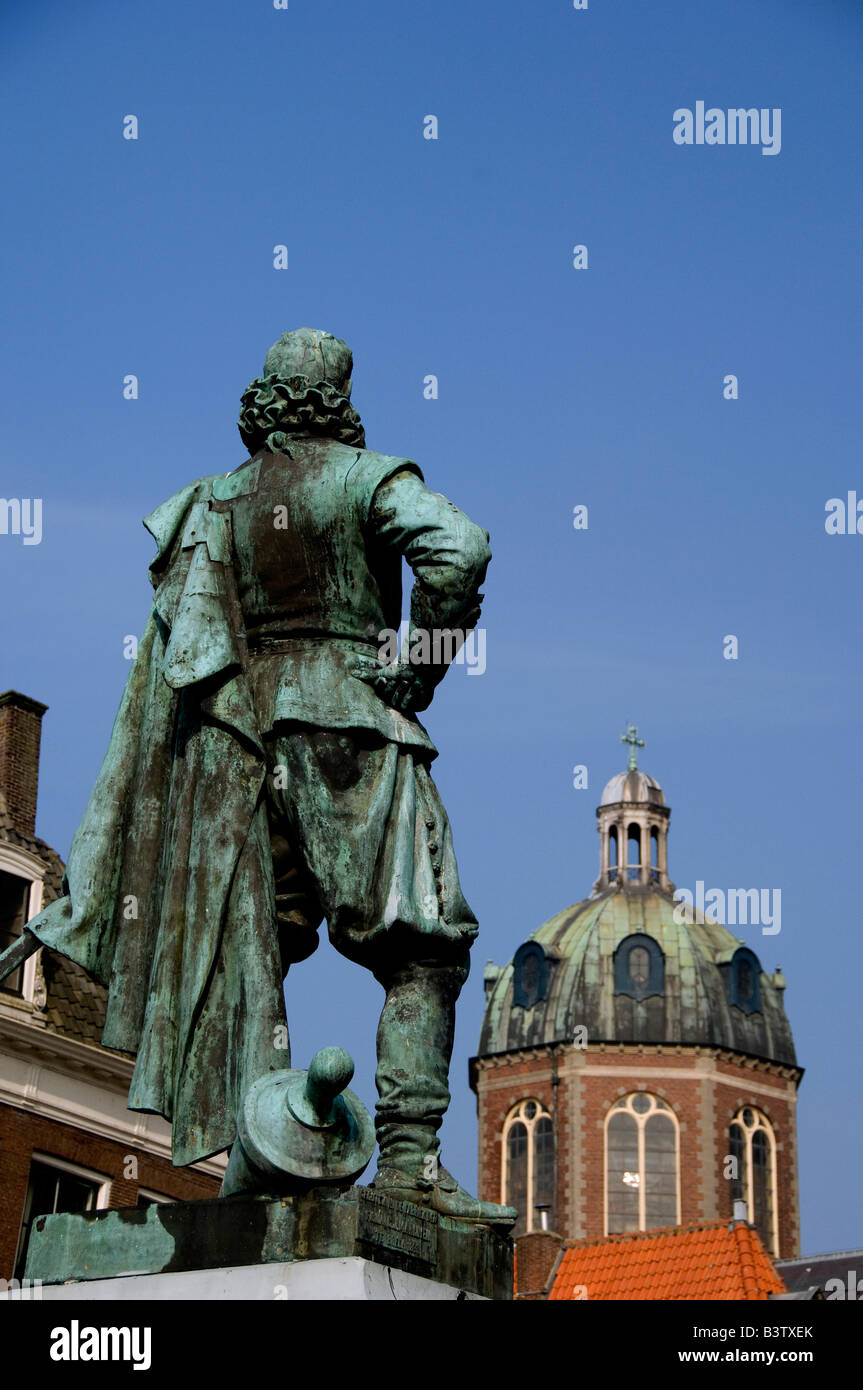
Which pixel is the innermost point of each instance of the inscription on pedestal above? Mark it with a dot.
(397, 1229)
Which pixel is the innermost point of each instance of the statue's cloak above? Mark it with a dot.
(169, 896)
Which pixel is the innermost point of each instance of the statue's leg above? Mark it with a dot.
(414, 1042)
(414, 1048)
(377, 843)
(293, 907)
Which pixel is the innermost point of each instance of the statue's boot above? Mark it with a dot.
(415, 1040)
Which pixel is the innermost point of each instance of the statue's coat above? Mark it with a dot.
(169, 871)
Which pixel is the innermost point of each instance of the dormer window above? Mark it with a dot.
(639, 967)
(530, 975)
(21, 875)
(14, 912)
(744, 981)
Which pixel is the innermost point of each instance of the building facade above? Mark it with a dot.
(636, 1068)
(67, 1141)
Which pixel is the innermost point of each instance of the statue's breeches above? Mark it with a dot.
(359, 837)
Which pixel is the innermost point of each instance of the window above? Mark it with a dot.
(528, 1169)
(146, 1198)
(641, 1165)
(530, 975)
(744, 981)
(21, 875)
(633, 853)
(55, 1185)
(654, 854)
(14, 912)
(639, 967)
(753, 1146)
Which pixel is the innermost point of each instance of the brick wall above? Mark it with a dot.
(22, 1132)
(703, 1087)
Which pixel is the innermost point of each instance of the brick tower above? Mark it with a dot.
(636, 1068)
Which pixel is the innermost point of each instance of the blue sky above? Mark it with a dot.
(602, 386)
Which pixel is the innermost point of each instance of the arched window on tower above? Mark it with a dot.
(752, 1147)
(642, 1187)
(613, 858)
(633, 853)
(654, 854)
(528, 1169)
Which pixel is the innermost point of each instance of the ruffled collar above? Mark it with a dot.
(273, 408)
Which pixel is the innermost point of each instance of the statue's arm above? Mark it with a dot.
(448, 554)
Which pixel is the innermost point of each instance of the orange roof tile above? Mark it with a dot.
(717, 1260)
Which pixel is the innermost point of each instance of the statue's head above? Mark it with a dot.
(305, 390)
(314, 354)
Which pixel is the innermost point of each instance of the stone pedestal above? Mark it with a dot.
(323, 1244)
(349, 1280)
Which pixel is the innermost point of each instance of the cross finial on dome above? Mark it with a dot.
(631, 737)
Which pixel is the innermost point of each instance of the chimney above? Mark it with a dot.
(20, 735)
(536, 1257)
(740, 1210)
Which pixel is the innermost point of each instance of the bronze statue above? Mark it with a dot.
(267, 771)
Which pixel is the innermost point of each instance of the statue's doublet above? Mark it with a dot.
(315, 590)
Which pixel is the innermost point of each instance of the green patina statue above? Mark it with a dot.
(267, 771)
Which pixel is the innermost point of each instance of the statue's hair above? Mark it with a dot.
(274, 408)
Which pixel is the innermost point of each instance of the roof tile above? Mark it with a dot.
(715, 1261)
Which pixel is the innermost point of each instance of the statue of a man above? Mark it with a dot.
(266, 772)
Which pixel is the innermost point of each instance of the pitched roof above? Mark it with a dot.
(801, 1273)
(716, 1260)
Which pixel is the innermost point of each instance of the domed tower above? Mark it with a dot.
(636, 1068)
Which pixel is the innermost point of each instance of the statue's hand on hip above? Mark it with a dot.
(400, 686)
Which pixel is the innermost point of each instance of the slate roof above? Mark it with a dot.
(76, 1004)
(694, 1008)
(808, 1270)
(717, 1260)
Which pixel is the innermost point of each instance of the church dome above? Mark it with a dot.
(631, 964)
(632, 786)
(621, 967)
